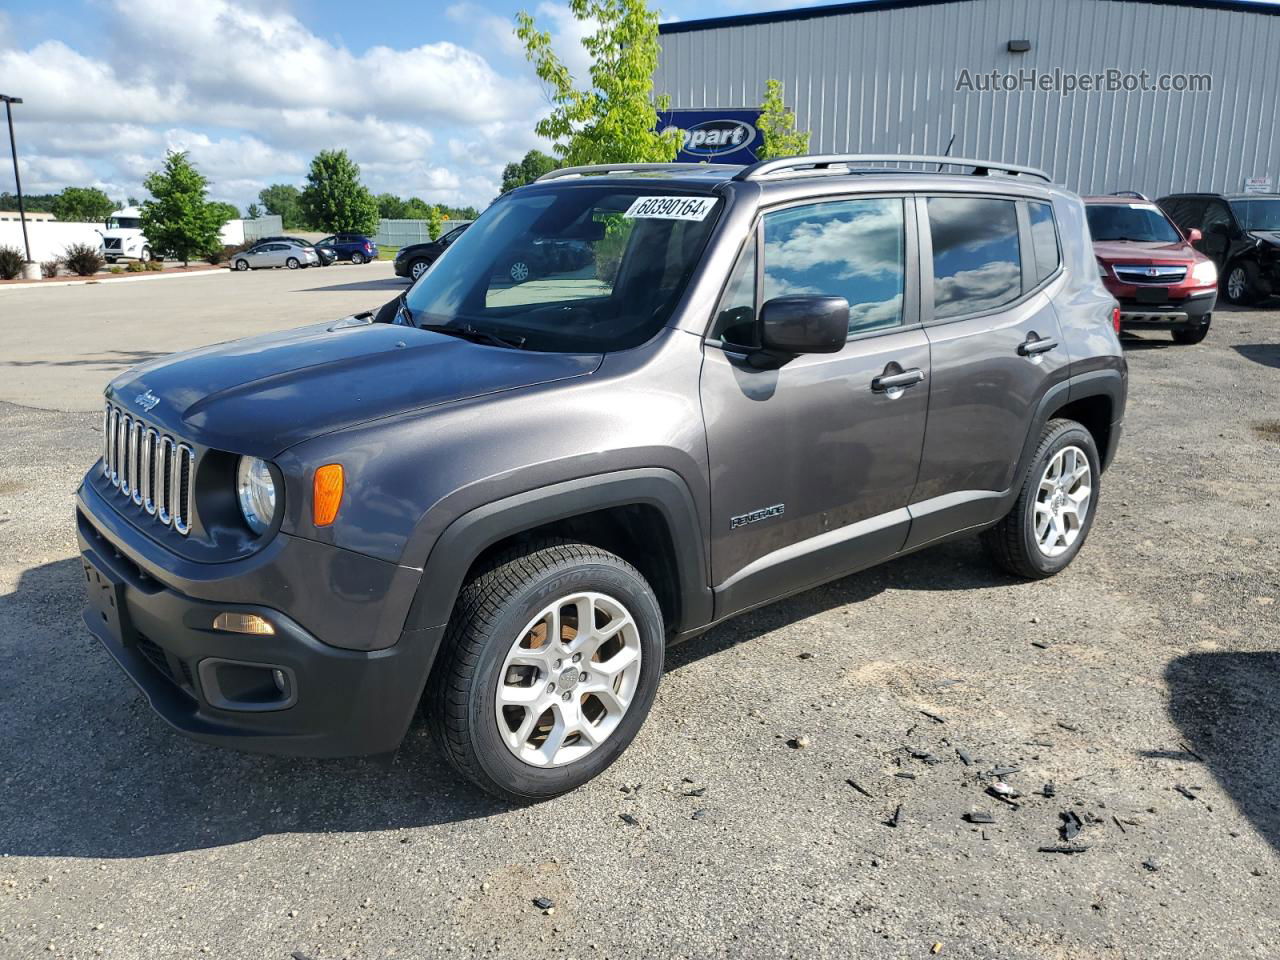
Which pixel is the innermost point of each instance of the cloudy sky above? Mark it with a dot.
(431, 99)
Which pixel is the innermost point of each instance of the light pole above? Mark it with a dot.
(28, 270)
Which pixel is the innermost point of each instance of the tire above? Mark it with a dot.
(112, 259)
(357, 258)
(1015, 542)
(417, 269)
(292, 263)
(145, 255)
(498, 616)
(241, 265)
(1188, 336)
(519, 271)
(1242, 283)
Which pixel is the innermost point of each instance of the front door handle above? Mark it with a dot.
(1033, 346)
(890, 382)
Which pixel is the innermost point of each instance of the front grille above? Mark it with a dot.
(111, 243)
(1144, 273)
(153, 471)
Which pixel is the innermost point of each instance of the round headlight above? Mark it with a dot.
(256, 491)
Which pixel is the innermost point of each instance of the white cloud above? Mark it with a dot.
(253, 93)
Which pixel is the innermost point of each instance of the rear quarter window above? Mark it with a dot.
(1044, 240)
(977, 262)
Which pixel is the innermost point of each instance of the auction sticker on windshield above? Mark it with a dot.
(671, 208)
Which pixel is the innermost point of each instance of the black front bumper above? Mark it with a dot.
(336, 701)
(1188, 314)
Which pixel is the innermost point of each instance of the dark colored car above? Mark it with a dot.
(412, 260)
(1160, 279)
(499, 503)
(1241, 235)
(355, 247)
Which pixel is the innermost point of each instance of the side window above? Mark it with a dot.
(977, 265)
(854, 249)
(1044, 239)
(736, 315)
(1217, 219)
(1186, 212)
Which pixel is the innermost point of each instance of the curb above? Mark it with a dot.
(111, 278)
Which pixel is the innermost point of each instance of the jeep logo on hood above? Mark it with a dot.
(713, 137)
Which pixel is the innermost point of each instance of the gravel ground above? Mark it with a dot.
(1141, 684)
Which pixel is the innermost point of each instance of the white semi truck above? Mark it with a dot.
(122, 238)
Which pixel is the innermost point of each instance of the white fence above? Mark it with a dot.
(401, 233)
(50, 238)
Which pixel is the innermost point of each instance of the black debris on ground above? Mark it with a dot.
(1048, 790)
(860, 788)
(698, 814)
(1119, 824)
(1042, 644)
(965, 757)
(1063, 848)
(798, 743)
(1071, 825)
(542, 903)
(933, 716)
(904, 775)
(629, 819)
(999, 773)
(980, 816)
(696, 792)
(1150, 865)
(896, 819)
(1185, 792)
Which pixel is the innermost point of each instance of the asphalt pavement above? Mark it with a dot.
(812, 779)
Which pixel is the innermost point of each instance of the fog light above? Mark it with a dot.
(282, 682)
(243, 623)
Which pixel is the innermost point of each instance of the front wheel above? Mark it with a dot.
(292, 263)
(1243, 283)
(357, 258)
(549, 668)
(1189, 336)
(242, 264)
(418, 268)
(1054, 511)
(145, 255)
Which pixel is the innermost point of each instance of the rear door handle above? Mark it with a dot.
(896, 381)
(1031, 347)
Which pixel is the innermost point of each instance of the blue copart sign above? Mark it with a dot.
(714, 136)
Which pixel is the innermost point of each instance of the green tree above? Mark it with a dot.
(334, 199)
(32, 203)
(778, 127)
(534, 165)
(460, 213)
(391, 207)
(178, 221)
(613, 117)
(435, 222)
(254, 212)
(283, 200)
(224, 211)
(82, 205)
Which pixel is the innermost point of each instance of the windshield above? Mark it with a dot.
(1130, 221)
(580, 268)
(1257, 214)
(124, 223)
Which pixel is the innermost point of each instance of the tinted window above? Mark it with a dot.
(1257, 214)
(1184, 211)
(854, 249)
(1217, 218)
(736, 316)
(1044, 239)
(976, 261)
(1129, 221)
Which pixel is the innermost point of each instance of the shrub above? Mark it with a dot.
(134, 266)
(50, 268)
(82, 259)
(11, 261)
(225, 253)
(115, 270)
(153, 265)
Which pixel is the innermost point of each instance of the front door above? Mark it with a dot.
(812, 463)
(996, 348)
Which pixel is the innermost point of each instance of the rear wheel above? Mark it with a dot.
(357, 257)
(292, 263)
(550, 666)
(1054, 511)
(418, 268)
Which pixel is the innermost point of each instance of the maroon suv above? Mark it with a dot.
(1151, 267)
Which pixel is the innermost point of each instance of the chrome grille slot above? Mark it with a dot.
(157, 473)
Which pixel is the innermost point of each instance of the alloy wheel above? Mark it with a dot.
(1236, 282)
(568, 680)
(519, 271)
(418, 269)
(1062, 501)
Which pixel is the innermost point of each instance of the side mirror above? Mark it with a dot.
(1194, 236)
(794, 325)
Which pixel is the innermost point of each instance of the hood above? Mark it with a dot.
(264, 394)
(1268, 236)
(1129, 251)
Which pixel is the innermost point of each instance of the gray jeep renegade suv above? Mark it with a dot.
(499, 498)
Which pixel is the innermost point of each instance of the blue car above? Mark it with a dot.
(355, 247)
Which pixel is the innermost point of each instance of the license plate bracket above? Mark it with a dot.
(105, 593)
(1148, 295)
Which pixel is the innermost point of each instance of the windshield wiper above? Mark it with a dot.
(474, 335)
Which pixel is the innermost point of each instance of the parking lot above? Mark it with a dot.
(1137, 692)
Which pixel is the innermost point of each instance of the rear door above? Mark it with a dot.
(812, 463)
(989, 265)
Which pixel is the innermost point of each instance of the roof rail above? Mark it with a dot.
(606, 168)
(1130, 193)
(820, 163)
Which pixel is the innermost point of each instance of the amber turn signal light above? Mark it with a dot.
(326, 494)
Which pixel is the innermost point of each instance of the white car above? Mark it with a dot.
(276, 254)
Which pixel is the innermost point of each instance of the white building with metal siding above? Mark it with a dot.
(881, 77)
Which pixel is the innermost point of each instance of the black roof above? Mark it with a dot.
(870, 6)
